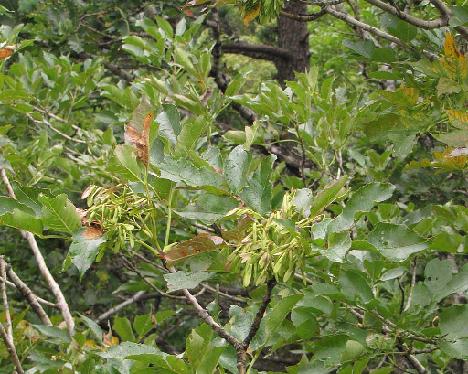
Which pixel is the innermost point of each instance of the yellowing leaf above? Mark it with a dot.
(450, 47)
(6, 52)
(411, 93)
(251, 14)
(457, 115)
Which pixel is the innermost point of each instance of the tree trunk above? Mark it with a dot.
(294, 37)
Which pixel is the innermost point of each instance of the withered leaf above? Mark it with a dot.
(6, 52)
(201, 243)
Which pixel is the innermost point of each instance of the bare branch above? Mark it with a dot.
(8, 324)
(205, 316)
(53, 286)
(30, 297)
(305, 17)
(54, 129)
(415, 21)
(259, 316)
(141, 295)
(11, 350)
(6, 331)
(413, 282)
(258, 51)
(372, 30)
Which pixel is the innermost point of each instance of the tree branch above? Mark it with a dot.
(6, 331)
(11, 350)
(30, 297)
(54, 287)
(141, 295)
(415, 21)
(6, 307)
(259, 316)
(372, 30)
(258, 51)
(305, 17)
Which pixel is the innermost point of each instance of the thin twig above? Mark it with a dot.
(141, 295)
(259, 316)
(53, 286)
(39, 299)
(68, 137)
(413, 282)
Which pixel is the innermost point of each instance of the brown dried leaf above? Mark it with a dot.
(6, 52)
(201, 243)
(240, 231)
(140, 140)
(92, 233)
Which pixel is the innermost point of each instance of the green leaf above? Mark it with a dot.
(183, 170)
(59, 214)
(123, 327)
(169, 122)
(94, 327)
(279, 312)
(126, 164)
(18, 216)
(142, 324)
(236, 168)
(363, 200)
(325, 197)
(354, 285)
(129, 350)
(8, 204)
(55, 334)
(84, 248)
(459, 16)
(191, 132)
(202, 354)
(453, 324)
(208, 208)
(399, 28)
(183, 280)
(396, 242)
(257, 193)
(364, 48)
(338, 245)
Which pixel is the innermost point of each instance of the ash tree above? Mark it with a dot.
(240, 186)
